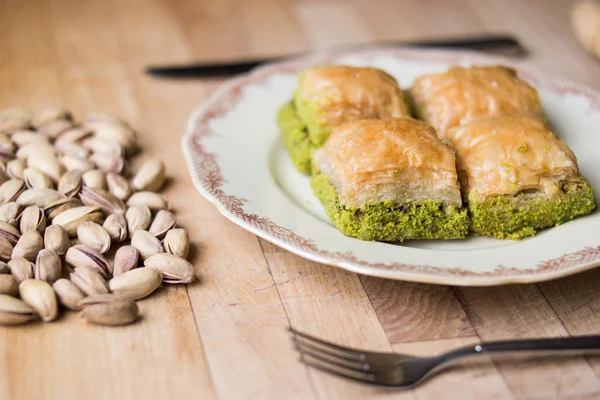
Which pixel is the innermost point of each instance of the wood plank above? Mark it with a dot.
(521, 311)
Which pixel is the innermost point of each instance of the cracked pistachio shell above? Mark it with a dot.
(48, 266)
(102, 199)
(59, 206)
(49, 115)
(73, 163)
(174, 269)
(153, 201)
(73, 217)
(56, 239)
(28, 246)
(10, 190)
(146, 244)
(11, 213)
(9, 232)
(150, 177)
(137, 283)
(70, 183)
(21, 268)
(12, 119)
(118, 186)
(94, 236)
(116, 227)
(68, 294)
(177, 242)
(138, 218)
(9, 285)
(82, 256)
(126, 259)
(36, 179)
(33, 219)
(16, 168)
(109, 163)
(94, 178)
(14, 311)
(109, 310)
(48, 164)
(89, 281)
(23, 137)
(40, 296)
(39, 197)
(163, 222)
(6, 249)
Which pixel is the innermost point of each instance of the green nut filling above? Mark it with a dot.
(519, 217)
(318, 132)
(391, 220)
(295, 138)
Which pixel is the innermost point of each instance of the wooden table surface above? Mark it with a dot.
(225, 336)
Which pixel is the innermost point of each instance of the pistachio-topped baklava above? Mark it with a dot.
(389, 180)
(517, 176)
(462, 95)
(330, 95)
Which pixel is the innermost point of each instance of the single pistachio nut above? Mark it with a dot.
(33, 219)
(109, 310)
(21, 268)
(37, 148)
(126, 259)
(15, 169)
(68, 294)
(94, 236)
(89, 281)
(36, 179)
(97, 144)
(73, 135)
(153, 201)
(102, 199)
(40, 296)
(116, 226)
(48, 164)
(11, 213)
(109, 163)
(10, 190)
(50, 115)
(4, 268)
(70, 183)
(9, 285)
(82, 256)
(59, 206)
(28, 246)
(177, 242)
(72, 149)
(73, 163)
(73, 217)
(174, 269)
(48, 266)
(118, 186)
(14, 311)
(9, 232)
(150, 177)
(94, 178)
(137, 283)
(146, 244)
(23, 137)
(138, 218)
(56, 128)
(12, 119)
(56, 239)
(6, 249)
(163, 222)
(39, 197)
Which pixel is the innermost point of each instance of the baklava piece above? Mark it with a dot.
(518, 177)
(389, 180)
(328, 96)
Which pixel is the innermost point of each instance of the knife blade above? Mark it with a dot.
(505, 43)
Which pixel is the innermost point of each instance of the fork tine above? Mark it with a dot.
(307, 349)
(332, 351)
(330, 347)
(337, 370)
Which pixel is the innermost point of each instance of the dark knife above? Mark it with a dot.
(505, 43)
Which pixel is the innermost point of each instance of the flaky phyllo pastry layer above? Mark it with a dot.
(463, 95)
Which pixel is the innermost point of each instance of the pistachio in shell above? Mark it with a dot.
(28, 246)
(40, 296)
(56, 239)
(68, 294)
(14, 311)
(21, 268)
(73, 217)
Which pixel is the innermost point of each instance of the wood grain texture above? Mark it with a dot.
(225, 336)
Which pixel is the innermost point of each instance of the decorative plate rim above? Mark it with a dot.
(208, 180)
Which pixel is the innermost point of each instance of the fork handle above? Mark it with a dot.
(577, 343)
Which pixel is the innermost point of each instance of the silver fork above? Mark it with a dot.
(391, 369)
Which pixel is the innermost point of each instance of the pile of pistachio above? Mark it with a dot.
(76, 228)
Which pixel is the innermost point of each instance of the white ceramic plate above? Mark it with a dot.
(237, 162)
